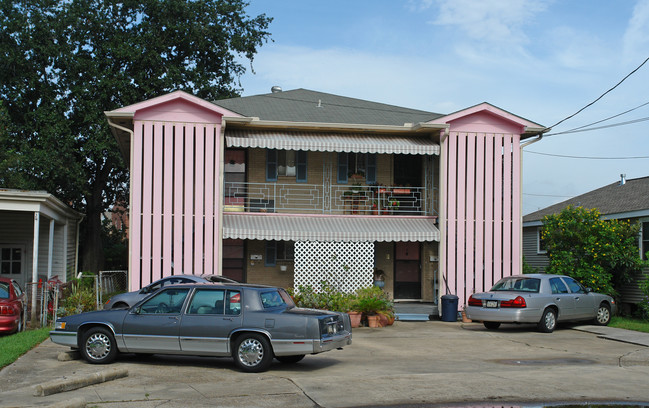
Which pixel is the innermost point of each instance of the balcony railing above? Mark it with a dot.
(327, 199)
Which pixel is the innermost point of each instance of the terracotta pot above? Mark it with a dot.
(383, 320)
(355, 318)
(373, 321)
(464, 318)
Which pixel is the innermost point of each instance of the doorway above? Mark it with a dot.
(407, 270)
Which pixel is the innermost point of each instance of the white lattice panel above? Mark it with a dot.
(346, 265)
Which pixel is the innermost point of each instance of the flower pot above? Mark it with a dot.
(464, 318)
(373, 321)
(355, 318)
(383, 320)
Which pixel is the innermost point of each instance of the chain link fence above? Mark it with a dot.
(44, 299)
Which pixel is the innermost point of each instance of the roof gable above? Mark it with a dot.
(485, 117)
(613, 199)
(303, 105)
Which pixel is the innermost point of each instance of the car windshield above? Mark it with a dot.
(517, 285)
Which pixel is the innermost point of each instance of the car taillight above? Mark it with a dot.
(7, 311)
(519, 302)
(474, 302)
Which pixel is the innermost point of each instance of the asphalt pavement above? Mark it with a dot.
(410, 363)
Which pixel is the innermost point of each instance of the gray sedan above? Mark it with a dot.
(250, 323)
(541, 299)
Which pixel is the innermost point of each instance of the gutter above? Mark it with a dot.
(539, 136)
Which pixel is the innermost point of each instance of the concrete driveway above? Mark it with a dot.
(417, 363)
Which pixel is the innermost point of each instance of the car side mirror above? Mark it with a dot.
(136, 310)
(588, 290)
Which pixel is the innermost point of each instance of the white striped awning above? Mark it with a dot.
(293, 227)
(332, 142)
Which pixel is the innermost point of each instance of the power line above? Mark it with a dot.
(600, 127)
(601, 96)
(547, 195)
(574, 130)
(588, 157)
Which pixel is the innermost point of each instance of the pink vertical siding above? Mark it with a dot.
(168, 205)
(470, 216)
(211, 162)
(483, 212)
(507, 205)
(517, 216)
(489, 210)
(479, 214)
(174, 190)
(158, 183)
(135, 227)
(199, 189)
(147, 180)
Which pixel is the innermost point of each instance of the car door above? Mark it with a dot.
(211, 316)
(562, 297)
(154, 326)
(584, 302)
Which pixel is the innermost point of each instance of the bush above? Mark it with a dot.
(643, 305)
(372, 300)
(77, 296)
(369, 300)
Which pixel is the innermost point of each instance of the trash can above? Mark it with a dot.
(449, 308)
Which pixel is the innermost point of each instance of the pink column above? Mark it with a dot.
(470, 271)
(178, 193)
(210, 172)
(157, 238)
(516, 206)
(199, 188)
(479, 212)
(147, 192)
(167, 209)
(489, 210)
(188, 228)
(451, 205)
(135, 226)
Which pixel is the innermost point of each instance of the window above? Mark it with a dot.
(169, 301)
(575, 287)
(10, 261)
(279, 251)
(207, 302)
(271, 299)
(644, 245)
(558, 286)
(362, 164)
(540, 242)
(286, 163)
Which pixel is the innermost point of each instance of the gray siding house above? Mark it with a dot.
(625, 199)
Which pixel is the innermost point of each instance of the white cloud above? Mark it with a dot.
(636, 37)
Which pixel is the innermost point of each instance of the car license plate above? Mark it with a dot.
(492, 303)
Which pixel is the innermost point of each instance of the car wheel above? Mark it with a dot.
(491, 325)
(603, 315)
(98, 346)
(548, 321)
(289, 359)
(252, 353)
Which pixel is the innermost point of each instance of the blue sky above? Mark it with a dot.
(540, 59)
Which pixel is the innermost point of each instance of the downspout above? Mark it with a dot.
(441, 258)
(130, 196)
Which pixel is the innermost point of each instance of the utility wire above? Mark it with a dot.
(599, 121)
(600, 127)
(600, 97)
(588, 157)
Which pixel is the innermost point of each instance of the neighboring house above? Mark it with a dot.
(297, 187)
(625, 199)
(39, 237)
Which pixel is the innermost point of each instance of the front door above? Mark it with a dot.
(407, 271)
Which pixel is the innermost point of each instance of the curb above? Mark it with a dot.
(72, 403)
(73, 383)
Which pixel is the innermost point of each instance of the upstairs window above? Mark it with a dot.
(356, 164)
(286, 163)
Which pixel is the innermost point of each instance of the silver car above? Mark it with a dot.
(250, 323)
(126, 300)
(539, 298)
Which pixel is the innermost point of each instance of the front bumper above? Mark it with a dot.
(64, 338)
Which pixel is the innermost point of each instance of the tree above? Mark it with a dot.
(65, 62)
(601, 254)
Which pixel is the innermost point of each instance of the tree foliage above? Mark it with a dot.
(601, 254)
(65, 62)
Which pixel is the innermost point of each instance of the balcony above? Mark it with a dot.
(333, 199)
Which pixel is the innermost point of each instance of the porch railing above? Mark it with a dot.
(327, 199)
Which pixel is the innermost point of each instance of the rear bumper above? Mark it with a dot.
(9, 324)
(332, 343)
(525, 315)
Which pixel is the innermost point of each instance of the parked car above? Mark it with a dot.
(126, 300)
(539, 298)
(250, 323)
(13, 310)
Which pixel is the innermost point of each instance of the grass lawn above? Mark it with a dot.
(630, 324)
(15, 345)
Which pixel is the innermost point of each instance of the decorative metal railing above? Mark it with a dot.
(327, 199)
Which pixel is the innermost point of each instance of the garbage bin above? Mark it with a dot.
(449, 308)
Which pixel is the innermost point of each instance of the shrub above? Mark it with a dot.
(372, 300)
(643, 305)
(77, 296)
